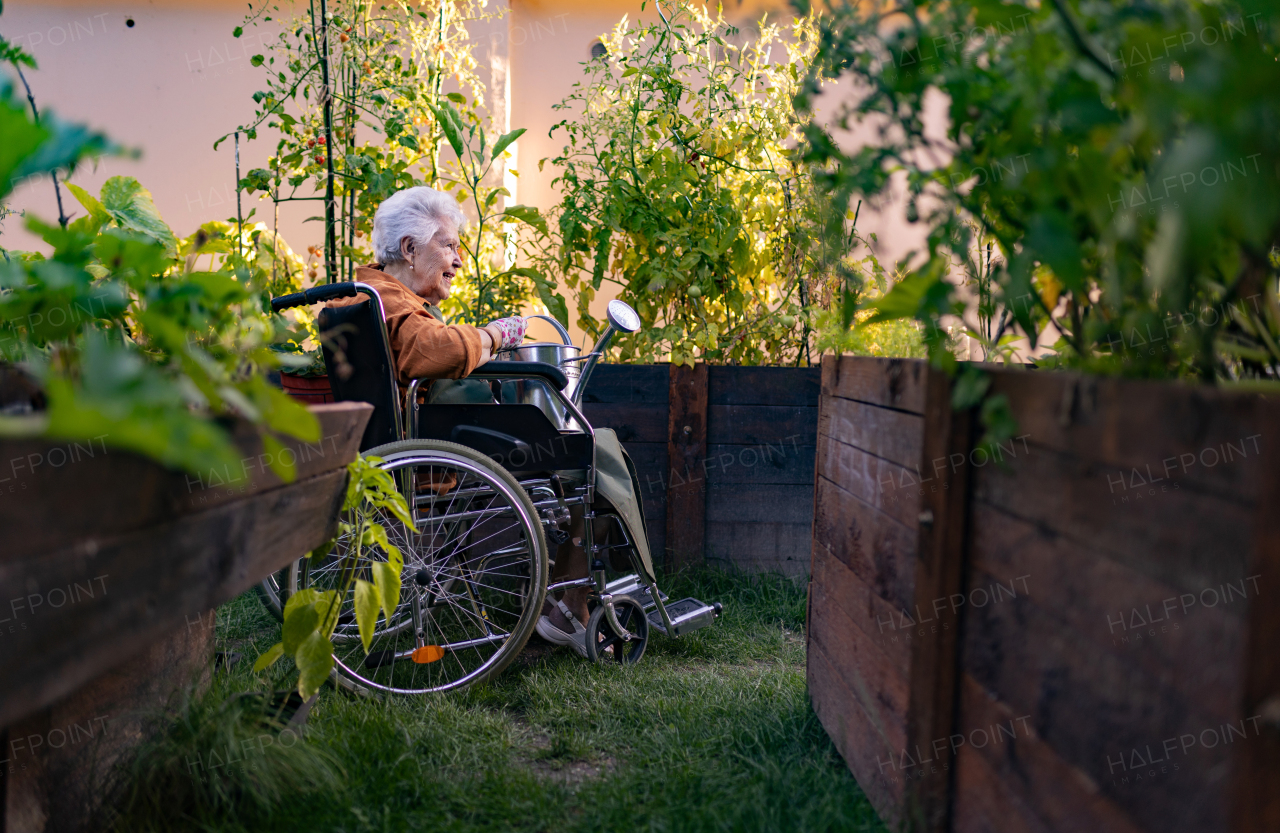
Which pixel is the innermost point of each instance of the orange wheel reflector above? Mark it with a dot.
(428, 653)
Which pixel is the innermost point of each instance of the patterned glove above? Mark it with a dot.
(512, 329)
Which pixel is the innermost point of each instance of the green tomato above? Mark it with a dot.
(788, 321)
(694, 291)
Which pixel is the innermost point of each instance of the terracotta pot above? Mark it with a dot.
(310, 390)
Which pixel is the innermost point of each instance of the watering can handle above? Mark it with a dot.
(564, 334)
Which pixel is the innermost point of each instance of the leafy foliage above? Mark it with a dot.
(132, 346)
(310, 615)
(678, 187)
(1119, 163)
(360, 107)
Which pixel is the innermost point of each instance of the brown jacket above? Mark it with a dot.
(422, 344)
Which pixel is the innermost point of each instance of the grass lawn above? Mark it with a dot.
(710, 732)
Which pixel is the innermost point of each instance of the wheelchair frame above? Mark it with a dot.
(547, 494)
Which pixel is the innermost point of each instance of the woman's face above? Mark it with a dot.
(434, 263)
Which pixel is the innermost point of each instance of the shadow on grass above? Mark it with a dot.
(710, 732)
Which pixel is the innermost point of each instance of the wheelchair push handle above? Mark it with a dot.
(314, 295)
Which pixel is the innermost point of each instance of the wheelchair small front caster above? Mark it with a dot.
(604, 643)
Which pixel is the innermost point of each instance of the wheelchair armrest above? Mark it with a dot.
(522, 370)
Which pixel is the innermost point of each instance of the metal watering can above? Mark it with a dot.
(567, 356)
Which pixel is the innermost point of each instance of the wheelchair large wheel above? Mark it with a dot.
(474, 578)
(272, 591)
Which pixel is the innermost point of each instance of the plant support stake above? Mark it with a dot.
(239, 215)
(330, 230)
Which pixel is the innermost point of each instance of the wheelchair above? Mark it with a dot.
(492, 485)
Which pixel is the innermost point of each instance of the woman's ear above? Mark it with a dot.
(406, 248)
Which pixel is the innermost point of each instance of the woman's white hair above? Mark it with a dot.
(415, 213)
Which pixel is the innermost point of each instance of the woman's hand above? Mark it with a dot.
(512, 331)
(489, 336)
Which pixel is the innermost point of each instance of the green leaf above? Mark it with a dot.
(315, 661)
(386, 579)
(505, 141)
(367, 604)
(256, 60)
(269, 657)
(448, 127)
(527, 214)
(237, 32)
(299, 624)
(130, 206)
(89, 202)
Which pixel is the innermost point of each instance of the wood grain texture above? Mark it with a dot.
(850, 729)
(877, 547)
(687, 454)
(1008, 778)
(148, 582)
(759, 547)
(1257, 763)
(894, 435)
(761, 424)
(1125, 425)
(888, 487)
(1150, 534)
(1123, 614)
(628, 383)
(794, 386)
(786, 462)
(940, 570)
(53, 494)
(891, 383)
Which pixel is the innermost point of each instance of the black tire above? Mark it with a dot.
(604, 643)
(468, 599)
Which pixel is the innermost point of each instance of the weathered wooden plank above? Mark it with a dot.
(942, 549)
(983, 804)
(638, 422)
(734, 385)
(1208, 439)
(628, 383)
(784, 462)
(884, 432)
(1005, 771)
(891, 383)
(886, 486)
(1102, 715)
(1153, 535)
(850, 729)
(760, 548)
(879, 549)
(760, 424)
(760, 503)
(866, 611)
(1257, 764)
(148, 582)
(1122, 612)
(687, 454)
(55, 493)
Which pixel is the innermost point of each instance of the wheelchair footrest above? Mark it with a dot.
(687, 615)
(631, 586)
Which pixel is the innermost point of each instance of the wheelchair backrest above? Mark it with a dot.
(360, 367)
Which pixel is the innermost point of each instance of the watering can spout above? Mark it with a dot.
(622, 318)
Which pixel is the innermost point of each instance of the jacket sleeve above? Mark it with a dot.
(427, 348)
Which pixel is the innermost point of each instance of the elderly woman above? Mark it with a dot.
(415, 238)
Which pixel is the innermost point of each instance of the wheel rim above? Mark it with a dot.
(604, 643)
(470, 589)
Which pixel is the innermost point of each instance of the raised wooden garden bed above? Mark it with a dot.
(737, 487)
(110, 567)
(1083, 634)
